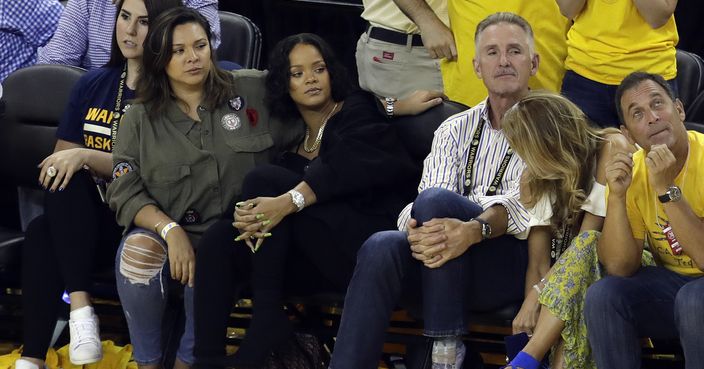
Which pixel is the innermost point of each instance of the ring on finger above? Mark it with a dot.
(51, 171)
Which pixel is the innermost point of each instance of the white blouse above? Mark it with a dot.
(541, 213)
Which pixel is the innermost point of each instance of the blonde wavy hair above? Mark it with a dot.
(560, 149)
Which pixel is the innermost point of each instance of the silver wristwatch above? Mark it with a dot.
(486, 228)
(297, 199)
(389, 108)
(673, 194)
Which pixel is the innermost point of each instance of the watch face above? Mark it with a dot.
(675, 193)
(486, 230)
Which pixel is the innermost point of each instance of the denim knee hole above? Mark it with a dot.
(142, 258)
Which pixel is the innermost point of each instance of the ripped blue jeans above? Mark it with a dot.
(143, 276)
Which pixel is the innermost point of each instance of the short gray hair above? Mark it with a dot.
(505, 17)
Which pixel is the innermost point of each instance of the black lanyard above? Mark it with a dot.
(469, 172)
(557, 250)
(118, 107)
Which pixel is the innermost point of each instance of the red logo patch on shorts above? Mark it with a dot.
(387, 55)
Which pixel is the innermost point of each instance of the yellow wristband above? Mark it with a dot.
(167, 228)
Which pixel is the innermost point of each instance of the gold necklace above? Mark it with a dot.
(319, 137)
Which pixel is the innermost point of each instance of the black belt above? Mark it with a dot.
(398, 38)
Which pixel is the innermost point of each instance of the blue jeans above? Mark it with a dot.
(597, 100)
(655, 302)
(488, 276)
(144, 300)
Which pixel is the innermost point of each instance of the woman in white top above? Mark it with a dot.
(563, 186)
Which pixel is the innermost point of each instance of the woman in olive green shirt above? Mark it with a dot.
(182, 152)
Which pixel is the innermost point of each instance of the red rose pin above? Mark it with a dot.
(253, 116)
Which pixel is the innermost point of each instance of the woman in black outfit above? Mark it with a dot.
(305, 218)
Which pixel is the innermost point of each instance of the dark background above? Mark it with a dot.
(338, 22)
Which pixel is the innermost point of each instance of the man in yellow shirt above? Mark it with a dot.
(655, 195)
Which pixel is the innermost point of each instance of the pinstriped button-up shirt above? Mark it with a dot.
(446, 166)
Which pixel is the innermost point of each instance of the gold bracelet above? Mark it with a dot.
(156, 226)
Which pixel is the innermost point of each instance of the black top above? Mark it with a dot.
(361, 161)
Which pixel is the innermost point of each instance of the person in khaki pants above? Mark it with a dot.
(400, 50)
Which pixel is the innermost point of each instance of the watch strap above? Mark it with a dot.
(665, 197)
(486, 227)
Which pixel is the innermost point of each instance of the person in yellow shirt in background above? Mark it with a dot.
(608, 40)
(550, 27)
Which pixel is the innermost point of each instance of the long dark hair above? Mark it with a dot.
(277, 98)
(153, 87)
(154, 9)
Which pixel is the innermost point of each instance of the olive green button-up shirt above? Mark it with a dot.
(194, 170)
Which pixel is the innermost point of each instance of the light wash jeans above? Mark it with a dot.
(144, 302)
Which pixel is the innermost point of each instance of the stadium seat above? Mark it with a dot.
(34, 100)
(241, 40)
(695, 110)
(690, 76)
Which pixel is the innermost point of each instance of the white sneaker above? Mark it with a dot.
(85, 347)
(26, 364)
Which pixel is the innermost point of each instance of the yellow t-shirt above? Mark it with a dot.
(646, 214)
(549, 27)
(610, 39)
(385, 13)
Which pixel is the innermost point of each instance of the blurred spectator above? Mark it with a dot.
(85, 31)
(25, 25)
(609, 40)
(396, 56)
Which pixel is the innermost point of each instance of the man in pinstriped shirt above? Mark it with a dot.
(463, 250)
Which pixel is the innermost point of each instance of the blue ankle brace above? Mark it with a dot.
(525, 361)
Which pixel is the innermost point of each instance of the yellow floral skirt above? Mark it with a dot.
(564, 292)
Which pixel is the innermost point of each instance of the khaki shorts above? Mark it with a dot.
(391, 70)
